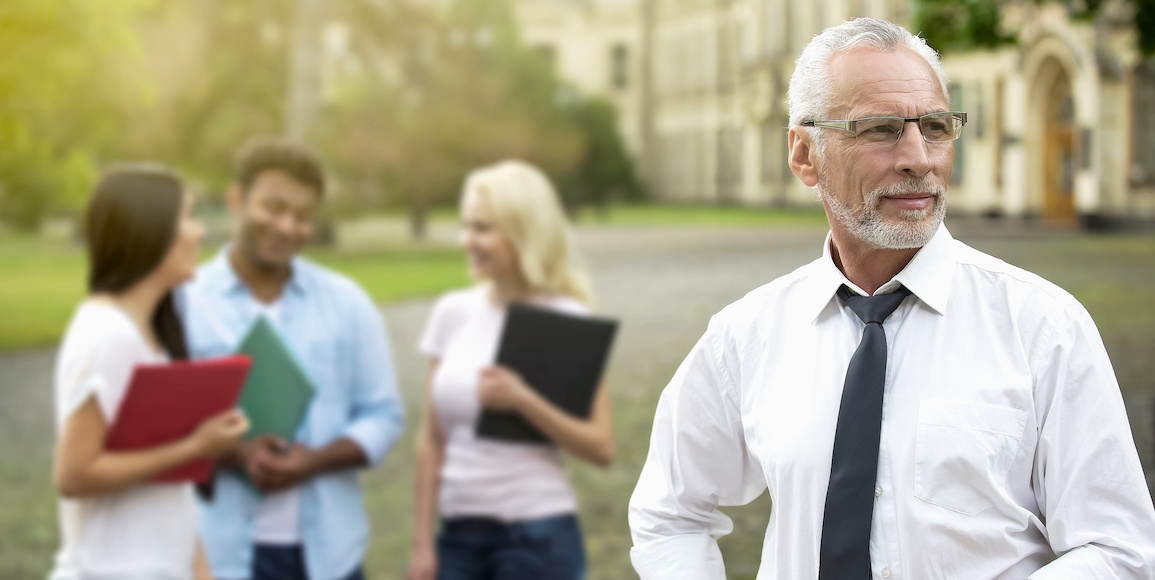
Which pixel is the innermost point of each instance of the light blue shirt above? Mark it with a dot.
(337, 333)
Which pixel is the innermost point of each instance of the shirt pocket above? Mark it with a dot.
(963, 452)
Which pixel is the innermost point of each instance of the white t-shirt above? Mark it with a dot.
(481, 477)
(147, 532)
(278, 514)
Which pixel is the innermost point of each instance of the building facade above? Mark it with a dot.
(595, 45)
(1061, 125)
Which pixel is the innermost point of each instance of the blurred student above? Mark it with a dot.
(305, 519)
(142, 242)
(507, 509)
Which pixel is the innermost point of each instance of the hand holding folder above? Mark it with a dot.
(167, 402)
(558, 355)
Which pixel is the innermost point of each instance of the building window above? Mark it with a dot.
(1142, 170)
(619, 67)
(958, 104)
(729, 164)
(773, 138)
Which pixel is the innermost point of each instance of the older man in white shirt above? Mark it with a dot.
(996, 444)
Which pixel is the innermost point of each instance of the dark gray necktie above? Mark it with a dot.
(845, 548)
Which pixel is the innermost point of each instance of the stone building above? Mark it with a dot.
(1062, 125)
(1064, 122)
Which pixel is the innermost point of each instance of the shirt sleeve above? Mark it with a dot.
(1089, 483)
(103, 367)
(378, 414)
(698, 461)
(436, 332)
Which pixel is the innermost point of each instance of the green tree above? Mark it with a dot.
(65, 80)
(218, 73)
(950, 25)
(605, 172)
(441, 93)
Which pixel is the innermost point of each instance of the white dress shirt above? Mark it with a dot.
(1005, 448)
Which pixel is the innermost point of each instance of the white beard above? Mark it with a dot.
(913, 230)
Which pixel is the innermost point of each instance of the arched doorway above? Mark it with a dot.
(1059, 143)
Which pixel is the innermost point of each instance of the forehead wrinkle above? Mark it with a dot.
(863, 103)
(895, 80)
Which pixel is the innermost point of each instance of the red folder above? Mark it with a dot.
(167, 402)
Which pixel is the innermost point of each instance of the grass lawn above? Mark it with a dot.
(696, 215)
(399, 273)
(44, 280)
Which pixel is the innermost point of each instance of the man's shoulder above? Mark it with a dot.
(211, 281)
(456, 305)
(1012, 281)
(318, 277)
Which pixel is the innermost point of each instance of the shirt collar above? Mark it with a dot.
(928, 276)
(224, 279)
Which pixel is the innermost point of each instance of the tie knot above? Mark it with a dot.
(873, 308)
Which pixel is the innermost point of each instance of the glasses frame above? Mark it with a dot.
(851, 125)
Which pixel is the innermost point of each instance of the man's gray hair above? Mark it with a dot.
(810, 85)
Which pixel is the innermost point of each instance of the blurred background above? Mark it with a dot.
(661, 121)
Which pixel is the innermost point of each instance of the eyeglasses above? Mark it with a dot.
(884, 131)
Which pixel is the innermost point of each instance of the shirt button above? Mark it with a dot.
(886, 572)
(878, 491)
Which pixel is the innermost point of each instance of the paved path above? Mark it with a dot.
(662, 283)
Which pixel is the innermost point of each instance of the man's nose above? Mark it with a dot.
(910, 153)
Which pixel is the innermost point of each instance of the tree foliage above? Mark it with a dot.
(951, 25)
(434, 96)
(420, 96)
(64, 79)
(217, 73)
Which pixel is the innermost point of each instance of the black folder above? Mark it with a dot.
(558, 355)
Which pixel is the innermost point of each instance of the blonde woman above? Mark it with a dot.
(507, 510)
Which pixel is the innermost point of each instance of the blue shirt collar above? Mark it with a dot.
(222, 278)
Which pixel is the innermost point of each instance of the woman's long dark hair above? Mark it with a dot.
(130, 224)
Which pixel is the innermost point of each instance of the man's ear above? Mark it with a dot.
(235, 200)
(803, 156)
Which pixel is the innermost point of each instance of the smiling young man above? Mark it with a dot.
(916, 409)
(305, 519)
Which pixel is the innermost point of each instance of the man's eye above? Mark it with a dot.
(881, 130)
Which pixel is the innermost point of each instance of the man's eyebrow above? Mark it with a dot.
(869, 113)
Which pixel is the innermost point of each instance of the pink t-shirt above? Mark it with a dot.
(482, 477)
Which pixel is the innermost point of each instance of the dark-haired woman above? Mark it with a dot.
(142, 241)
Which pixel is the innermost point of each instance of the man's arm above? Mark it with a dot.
(1088, 480)
(697, 461)
(377, 416)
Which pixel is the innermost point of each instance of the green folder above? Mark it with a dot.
(278, 390)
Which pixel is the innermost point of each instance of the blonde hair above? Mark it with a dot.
(527, 211)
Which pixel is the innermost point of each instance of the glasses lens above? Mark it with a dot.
(940, 127)
(882, 130)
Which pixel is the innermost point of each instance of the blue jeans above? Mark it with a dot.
(285, 563)
(484, 549)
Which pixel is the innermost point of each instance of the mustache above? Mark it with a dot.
(909, 185)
